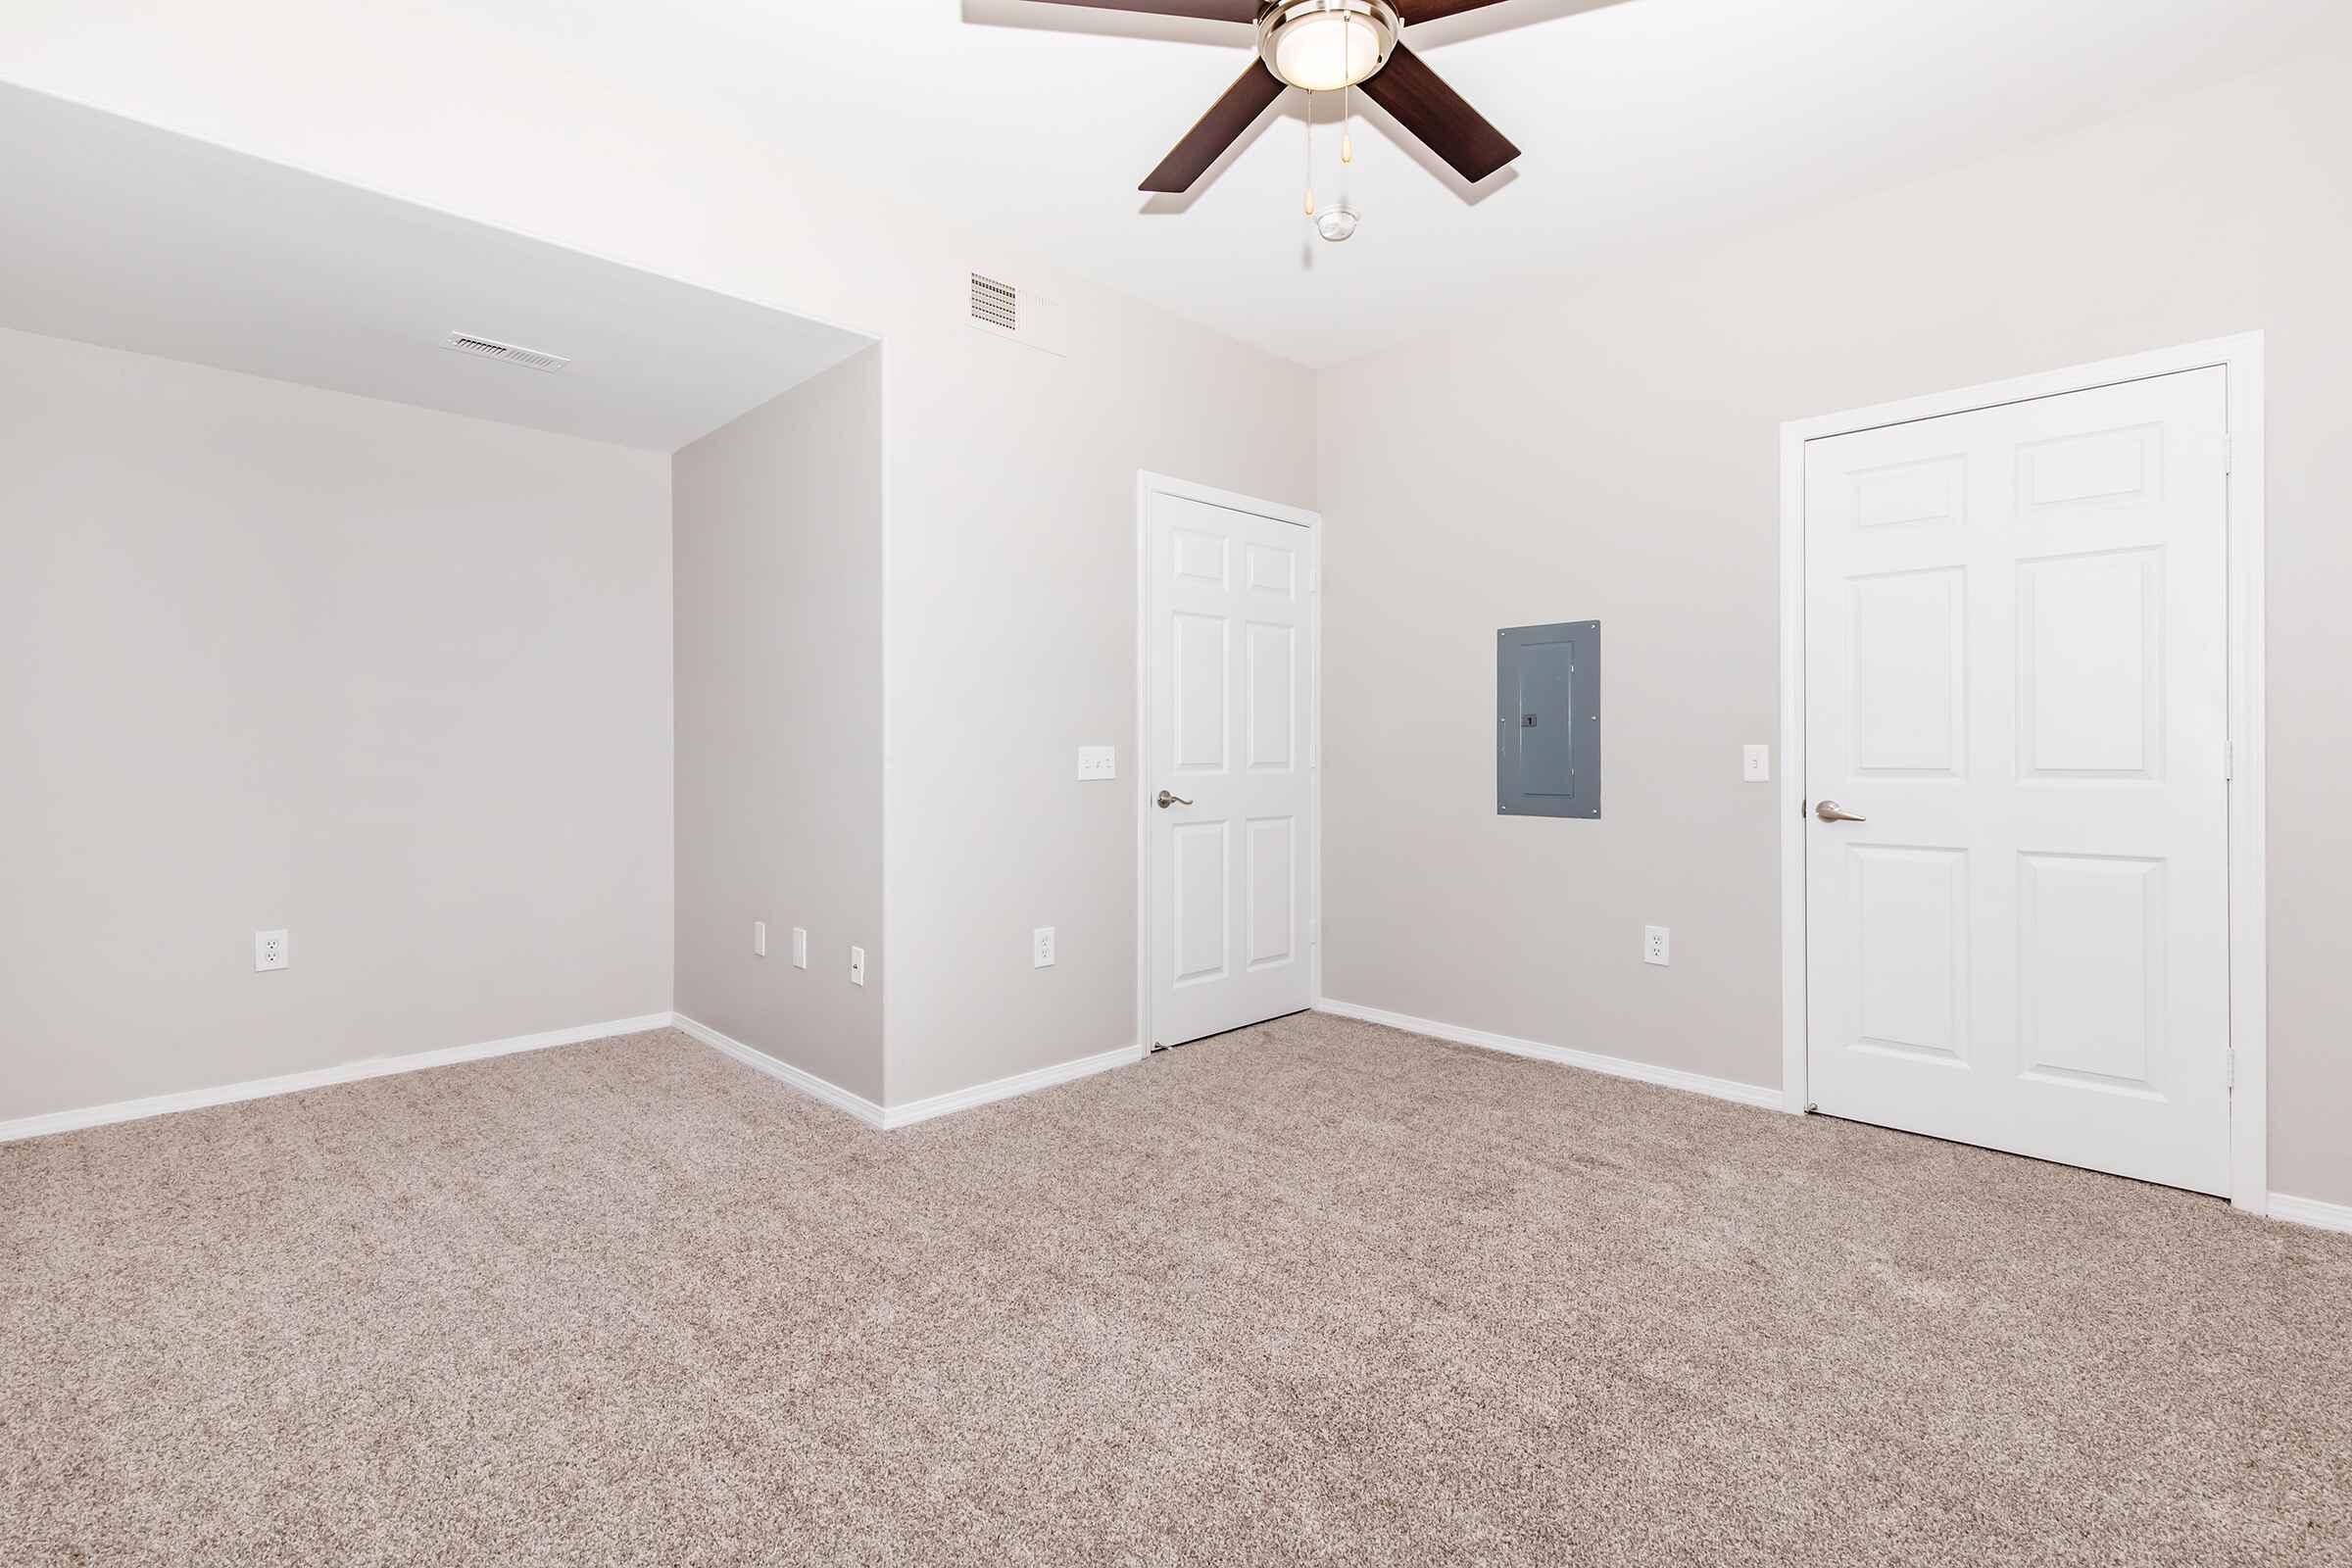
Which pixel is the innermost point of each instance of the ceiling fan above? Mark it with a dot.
(1323, 46)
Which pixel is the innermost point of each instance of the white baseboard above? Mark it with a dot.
(889, 1116)
(66, 1121)
(2311, 1211)
(1020, 1083)
(2282, 1206)
(808, 1083)
(1591, 1062)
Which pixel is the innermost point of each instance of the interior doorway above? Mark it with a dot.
(1228, 784)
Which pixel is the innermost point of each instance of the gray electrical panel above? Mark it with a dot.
(1548, 720)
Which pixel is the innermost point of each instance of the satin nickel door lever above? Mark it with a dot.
(1832, 811)
(1167, 800)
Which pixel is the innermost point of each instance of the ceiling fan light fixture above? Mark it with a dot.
(1324, 45)
(1338, 224)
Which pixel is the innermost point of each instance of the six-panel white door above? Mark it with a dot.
(2016, 671)
(1232, 731)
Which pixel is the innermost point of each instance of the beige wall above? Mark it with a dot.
(778, 523)
(1609, 450)
(1007, 475)
(1013, 584)
(396, 680)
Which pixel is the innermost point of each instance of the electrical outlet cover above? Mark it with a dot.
(1041, 947)
(1656, 945)
(272, 949)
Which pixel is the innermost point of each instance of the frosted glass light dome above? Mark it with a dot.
(1338, 224)
(1324, 45)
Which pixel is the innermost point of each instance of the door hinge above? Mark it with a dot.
(2228, 760)
(2230, 1069)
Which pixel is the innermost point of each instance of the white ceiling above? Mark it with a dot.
(1643, 123)
(117, 233)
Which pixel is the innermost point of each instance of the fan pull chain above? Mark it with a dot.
(1346, 114)
(1310, 155)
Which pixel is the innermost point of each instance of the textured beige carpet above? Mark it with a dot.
(1313, 1292)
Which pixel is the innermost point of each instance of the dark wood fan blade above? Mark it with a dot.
(1202, 10)
(1219, 128)
(1431, 10)
(1447, 124)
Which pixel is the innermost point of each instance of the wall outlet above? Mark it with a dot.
(760, 938)
(1041, 947)
(1098, 762)
(1655, 943)
(856, 967)
(270, 951)
(1755, 764)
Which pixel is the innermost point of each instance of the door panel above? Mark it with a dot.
(1273, 697)
(1910, 666)
(1273, 887)
(2090, 672)
(1203, 896)
(1199, 692)
(2016, 625)
(1233, 691)
(2091, 980)
(1911, 964)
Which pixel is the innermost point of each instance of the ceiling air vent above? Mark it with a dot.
(490, 348)
(1004, 309)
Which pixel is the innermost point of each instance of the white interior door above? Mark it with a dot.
(2015, 676)
(1232, 704)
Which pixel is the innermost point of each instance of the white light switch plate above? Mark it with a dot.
(856, 967)
(270, 951)
(1041, 947)
(1098, 762)
(1656, 943)
(1755, 763)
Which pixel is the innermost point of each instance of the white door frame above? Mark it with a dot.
(2249, 962)
(1146, 485)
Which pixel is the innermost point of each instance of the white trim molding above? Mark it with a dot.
(1020, 1083)
(2311, 1211)
(66, 1121)
(885, 1117)
(1759, 1095)
(2242, 356)
(808, 1083)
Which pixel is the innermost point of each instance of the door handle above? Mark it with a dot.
(1167, 800)
(1832, 811)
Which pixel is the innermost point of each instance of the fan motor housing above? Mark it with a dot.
(1324, 45)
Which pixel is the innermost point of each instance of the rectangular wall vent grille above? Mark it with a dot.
(491, 349)
(994, 303)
